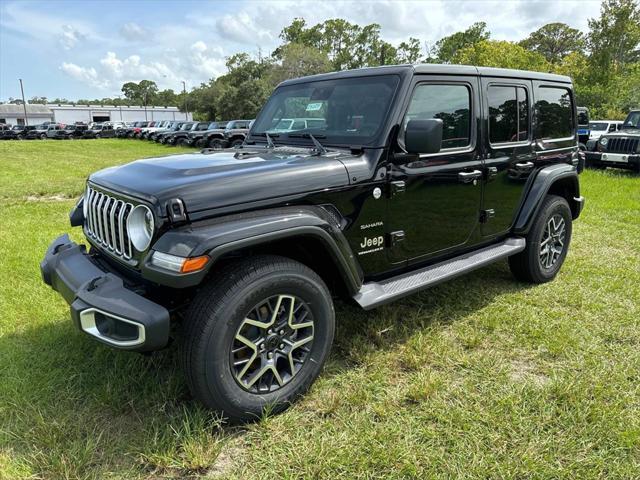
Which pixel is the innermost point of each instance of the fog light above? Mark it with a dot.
(179, 264)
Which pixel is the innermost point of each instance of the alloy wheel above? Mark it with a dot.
(272, 344)
(553, 241)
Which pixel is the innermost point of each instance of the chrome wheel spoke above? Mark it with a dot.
(553, 241)
(272, 343)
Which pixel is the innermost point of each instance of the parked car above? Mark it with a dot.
(408, 184)
(18, 132)
(128, 131)
(164, 136)
(583, 127)
(173, 126)
(597, 128)
(620, 148)
(56, 131)
(5, 131)
(214, 138)
(291, 124)
(100, 131)
(154, 127)
(181, 136)
(38, 132)
(236, 132)
(197, 138)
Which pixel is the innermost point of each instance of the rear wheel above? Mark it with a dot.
(257, 339)
(547, 243)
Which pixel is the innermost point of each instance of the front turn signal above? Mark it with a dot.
(194, 264)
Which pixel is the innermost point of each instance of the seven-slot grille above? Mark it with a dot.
(622, 145)
(106, 222)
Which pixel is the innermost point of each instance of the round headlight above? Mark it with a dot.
(604, 141)
(140, 227)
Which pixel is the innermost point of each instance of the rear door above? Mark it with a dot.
(509, 150)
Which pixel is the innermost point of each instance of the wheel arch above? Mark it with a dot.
(309, 235)
(559, 179)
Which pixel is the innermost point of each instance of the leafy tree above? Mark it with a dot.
(143, 93)
(38, 101)
(502, 54)
(409, 51)
(554, 41)
(297, 60)
(446, 49)
(614, 38)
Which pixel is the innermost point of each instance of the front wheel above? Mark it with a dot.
(255, 340)
(547, 243)
(237, 142)
(43, 137)
(216, 144)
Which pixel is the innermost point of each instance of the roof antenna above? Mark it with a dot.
(270, 143)
(319, 148)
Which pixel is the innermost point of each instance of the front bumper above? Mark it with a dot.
(101, 305)
(621, 160)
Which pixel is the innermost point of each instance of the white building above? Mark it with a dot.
(14, 114)
(100, 113)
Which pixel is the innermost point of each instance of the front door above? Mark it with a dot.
(509, 150)
(434, 204)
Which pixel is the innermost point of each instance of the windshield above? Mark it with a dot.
(186, 126)
(598, 126)
(344, 111)
(632, 120)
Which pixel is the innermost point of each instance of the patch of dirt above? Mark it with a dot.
(525, 371)
(227, 458)
(49, 198)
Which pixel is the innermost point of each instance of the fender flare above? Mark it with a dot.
(540, 187)
(219, 236)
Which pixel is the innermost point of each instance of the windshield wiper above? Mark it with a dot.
(319, 148)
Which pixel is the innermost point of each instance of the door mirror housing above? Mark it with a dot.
(423, 136)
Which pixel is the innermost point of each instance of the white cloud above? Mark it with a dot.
(135, 33)
(243, 27)
(70, 37)
(86, 75)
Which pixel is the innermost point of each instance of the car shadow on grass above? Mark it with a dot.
(78, 403)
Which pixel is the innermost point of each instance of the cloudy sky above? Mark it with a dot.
(87, 49)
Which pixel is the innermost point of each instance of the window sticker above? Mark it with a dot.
(314, 107)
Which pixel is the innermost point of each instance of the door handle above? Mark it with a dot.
(468, 177)
(524, 166)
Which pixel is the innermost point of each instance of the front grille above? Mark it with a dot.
(106, 222)
(622, 145)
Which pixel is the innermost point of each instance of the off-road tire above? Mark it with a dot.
(216, 144)
(237, 142)
(43, 136)
(213, 321)
(527, 265)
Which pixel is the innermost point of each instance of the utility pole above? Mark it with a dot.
(120, 105)
(184, 92)
(146, 95)
(24, 104)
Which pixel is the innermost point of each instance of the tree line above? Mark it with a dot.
(604, 62)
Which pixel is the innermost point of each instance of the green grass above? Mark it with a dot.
(481, 377)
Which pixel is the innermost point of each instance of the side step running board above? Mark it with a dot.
(374, 294)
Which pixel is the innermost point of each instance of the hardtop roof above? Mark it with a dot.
(434, 69)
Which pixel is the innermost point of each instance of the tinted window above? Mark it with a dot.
(583, 117)
(508, 114)
(451, 104)
(599, 126)
(632, 120)
(554, 112)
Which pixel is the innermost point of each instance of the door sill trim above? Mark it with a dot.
(374, 294)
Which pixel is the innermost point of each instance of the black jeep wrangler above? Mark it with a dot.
(620, 149)
(415, 175)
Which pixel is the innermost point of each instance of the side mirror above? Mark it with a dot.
(423, 136)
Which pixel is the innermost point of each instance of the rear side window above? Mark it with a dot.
(554, 109)
(508, 114)
(451, 104)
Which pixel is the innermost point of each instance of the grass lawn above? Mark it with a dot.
(481, 377)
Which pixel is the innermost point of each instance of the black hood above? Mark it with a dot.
(207, 181)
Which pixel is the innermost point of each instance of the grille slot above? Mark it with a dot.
(622, 145)
(106, 222)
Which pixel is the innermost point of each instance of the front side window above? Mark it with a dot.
(554, 109)
(451, 104)
(508, 114)
(349, 111)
